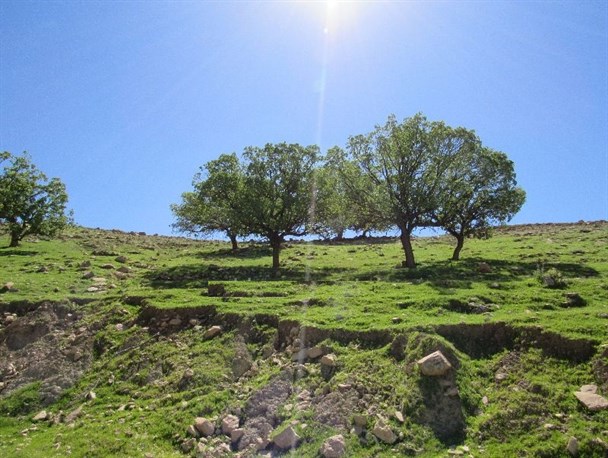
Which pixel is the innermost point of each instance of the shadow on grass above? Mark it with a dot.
(445, 275)
(199, 276)
(9, 251)
(246, 252)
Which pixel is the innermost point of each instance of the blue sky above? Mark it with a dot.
(125, 100)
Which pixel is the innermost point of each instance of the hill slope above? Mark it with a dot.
(114, 336)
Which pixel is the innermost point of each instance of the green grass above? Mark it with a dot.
(357, 286)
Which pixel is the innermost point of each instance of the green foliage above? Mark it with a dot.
(29, 202)
(279, 183)
(216, 202)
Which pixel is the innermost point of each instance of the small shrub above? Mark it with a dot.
(552, 279)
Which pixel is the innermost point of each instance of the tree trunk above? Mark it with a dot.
(275, 243)
(459, 245)
(14, 239)
(233, 241)
(340, 236)
(406, 243)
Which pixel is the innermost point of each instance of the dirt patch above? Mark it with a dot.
(48, 345)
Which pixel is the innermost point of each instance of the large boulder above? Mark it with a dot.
(434, 365)
(287, 439)
(592, 401)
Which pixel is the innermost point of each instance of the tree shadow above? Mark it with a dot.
(247, 252)
(9, 251)
(198, 276)
(447, 275)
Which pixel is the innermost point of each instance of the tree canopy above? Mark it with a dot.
(406, 175)
(30, 203)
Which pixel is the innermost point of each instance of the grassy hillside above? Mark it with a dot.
(106, 332)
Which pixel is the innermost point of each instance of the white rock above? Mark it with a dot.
(591, 400)
(229, 424)
(204, 426)
(384, 433)
(287, 439)
(572, 446)
(212, 332)
(329, 360)
(434, 364)
(334, 447)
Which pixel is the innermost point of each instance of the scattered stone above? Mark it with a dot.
(397, 320)
(384, 432)
(120, 275)
(287, 439)
(73, 415)
(121, 259)
(175, 321)
(500, 376)
(8, 286)
(314, 352)
(93, 289)
(41, 416)
(88, 275)
(229, 424)
(236, 434)
(334, 447)
(119, 327)
(108, 266)
(192, 431)
(592, 401)
(360, 420)
(84, 264)
(485, 401)
(42, 269)
(484, 268)
(91, 395)
(124, 270)
(572, 446)
(329, 360)
(204, 426)
(399, 417)
(188, 445)
(589, 389)
(212, 332)
(434, 364)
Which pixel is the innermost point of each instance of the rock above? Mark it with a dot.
(84, 264)
(236, 434)
(360, 420)
(188, 445)
(397, 320)
(399, 417)
(42, 269)
(334, 447)
(500, 376)
(384, 433)
(204, 426)
(192, 431)
(88, 275)
(329, 360)
(485, 401)
(119, 327)
(124, 270)
(216, 290)
(212, 332)
(588, 389)
(229, 424)
(573, 300)
(8, 286)
(314, 352)
(592, 401)
(120, 275)
(91, 395)
(41, 416)
(93, 289)
(287, 439)
(108, 266)
(434, 364)
(175, 321)
(572, 446)
(484, 268)
(121, 259)
(73, 415)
